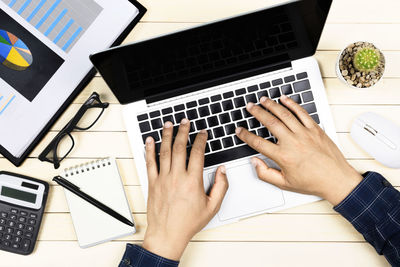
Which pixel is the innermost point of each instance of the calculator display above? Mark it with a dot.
(17, 194)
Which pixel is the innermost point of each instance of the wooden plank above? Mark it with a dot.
(267, 227)
(213, 254)
(208, 10)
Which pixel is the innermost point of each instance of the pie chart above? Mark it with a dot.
(14, 54)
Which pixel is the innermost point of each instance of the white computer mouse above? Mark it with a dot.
(379, 137)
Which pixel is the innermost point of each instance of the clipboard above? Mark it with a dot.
(17, 161)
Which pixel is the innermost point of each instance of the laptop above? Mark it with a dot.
(208, 74)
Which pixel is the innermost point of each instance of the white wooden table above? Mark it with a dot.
(310, 235)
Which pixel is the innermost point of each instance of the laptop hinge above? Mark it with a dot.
(215, 82)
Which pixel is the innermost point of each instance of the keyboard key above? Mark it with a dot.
(215, 145)
(142, 117)
(204, 101)
(179, 117)
(3, 221)
(236, 115)
(228, 95)
(227, 142)
(241, 91)
(310, 108)
(201, 124)
(251, 98)
(192, 114)
(274, 92)
(227, 105)
(192, 128)
(33, 216)
(315, 118)
(246, 114)
(13, 217)
(277, 82)
(22, 219)
(179, 107)
(218, 132)
(14, 211)
(155, 114)
(208, 150)
(252, 88)
(296, 98)
(191, 104)
(23, 213)
(265, 85)
(254, 123)
(239, 102)
(192, 137)
(230, 128)
(224, 118)
(301, 75)
(216, 108)
(262, 93)
(212, 121)
(169, 118)
(25, 244)
(156, 124)
(242, 124)
(287, 89)
(204, 111)
(166, 111)
(3, 214)
(229, 154)
(301, 86)
(263, 132)
(307, 96)
(216, 98)
(158, 148)
(210, 135)
(289, 79)
(155, 136)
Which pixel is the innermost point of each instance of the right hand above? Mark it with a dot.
(310, 162)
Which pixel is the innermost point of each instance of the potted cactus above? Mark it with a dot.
(360, 65)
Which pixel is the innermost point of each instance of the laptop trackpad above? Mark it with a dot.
(247, 194)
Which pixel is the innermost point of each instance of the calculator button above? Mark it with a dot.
(29, 235)
(29, 228)
(2, 228)
(7, 237)
(21, 226)
(16, 246)
(1, 235)
(10, 231)
(2, 221)
(17, 239)
(13, 217)
(14, 211)
(6, 243)
(25, 244)
(33, 216)
(4, 215)
(19, 233)
(32, 221)
(22, 219)
(23, 213)
(11, 223)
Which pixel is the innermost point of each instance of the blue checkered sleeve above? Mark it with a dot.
(373, 208)
(136, 256)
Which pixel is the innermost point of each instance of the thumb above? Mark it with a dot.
(218, 190)
(267, 174)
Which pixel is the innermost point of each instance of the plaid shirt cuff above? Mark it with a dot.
(136, 256)
(369, 203)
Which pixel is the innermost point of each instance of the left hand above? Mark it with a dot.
(178, 206)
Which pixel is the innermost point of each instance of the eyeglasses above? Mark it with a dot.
(63, 143)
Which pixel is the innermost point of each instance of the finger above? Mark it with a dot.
(196, 161)
(179, 148)
(282, 113)
(300, 112)
(218, 190)
(273, 124)
(165, 150)
(152, 172)
(268, 174)
(258, 143)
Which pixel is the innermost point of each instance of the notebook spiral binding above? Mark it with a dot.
(87, 167)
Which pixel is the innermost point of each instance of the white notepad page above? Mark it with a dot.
(101, 180)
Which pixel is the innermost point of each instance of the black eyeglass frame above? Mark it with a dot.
(70, 126)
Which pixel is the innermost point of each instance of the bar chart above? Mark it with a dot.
(62, 21)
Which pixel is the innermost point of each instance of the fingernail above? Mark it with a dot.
(263, 99)
(250, 105)
(168, 124)
(254, 162)
(238, 130)
(223, 169)
(184, 121)
(149, 140)
(284, 97)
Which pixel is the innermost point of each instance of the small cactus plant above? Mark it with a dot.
(366, 59)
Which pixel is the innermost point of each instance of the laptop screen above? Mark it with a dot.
(214, 53)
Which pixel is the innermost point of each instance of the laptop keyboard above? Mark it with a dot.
(221, 114)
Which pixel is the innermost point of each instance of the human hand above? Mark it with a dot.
(178, 206)
(310, 162)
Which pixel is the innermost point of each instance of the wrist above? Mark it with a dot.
(164, 246)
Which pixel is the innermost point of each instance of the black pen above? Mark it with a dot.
(76, 190)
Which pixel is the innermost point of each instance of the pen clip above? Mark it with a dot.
(65, 181)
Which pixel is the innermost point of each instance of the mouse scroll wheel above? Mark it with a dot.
(370, 129)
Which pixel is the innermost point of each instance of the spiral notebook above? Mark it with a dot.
(101, 180)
